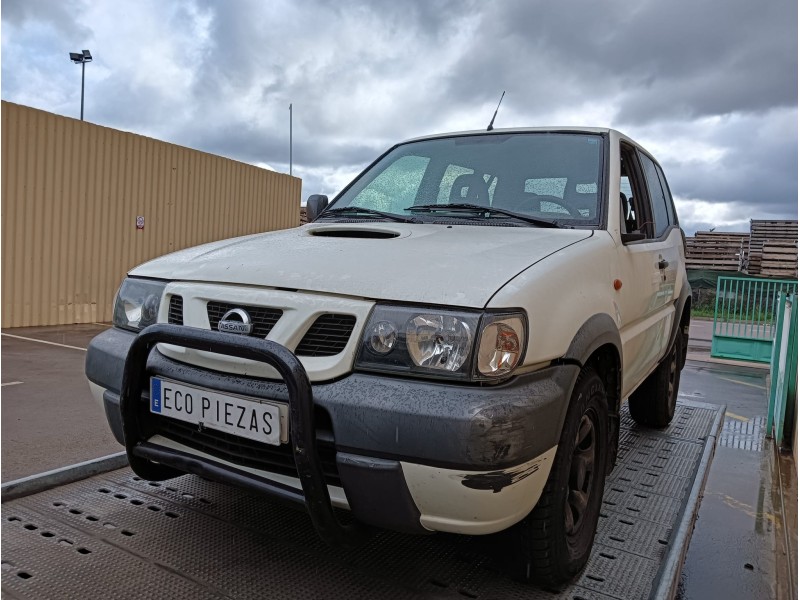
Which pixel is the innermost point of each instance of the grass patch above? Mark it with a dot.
(703, 311)
(751, 316)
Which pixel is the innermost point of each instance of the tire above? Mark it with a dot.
(653, 402)
(552, 544)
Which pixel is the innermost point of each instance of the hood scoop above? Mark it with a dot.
(360, 233)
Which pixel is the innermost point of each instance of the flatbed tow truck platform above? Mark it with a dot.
(114, 535)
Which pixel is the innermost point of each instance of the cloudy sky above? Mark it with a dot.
(708, 86)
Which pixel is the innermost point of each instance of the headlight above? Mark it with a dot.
(382, 337)
(432, 342)
(137, 303)
(467, 345)
(439, 341)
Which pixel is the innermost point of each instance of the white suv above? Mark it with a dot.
(445, 347)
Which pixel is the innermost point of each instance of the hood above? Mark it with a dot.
(457, 265)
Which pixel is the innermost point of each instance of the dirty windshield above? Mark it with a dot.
(545, 177)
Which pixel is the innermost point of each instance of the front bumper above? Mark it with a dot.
(411, 455)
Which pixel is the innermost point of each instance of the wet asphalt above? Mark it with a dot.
(49, 418)
(738, 549)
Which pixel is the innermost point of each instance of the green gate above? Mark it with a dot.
(783, 370)
(745, 316)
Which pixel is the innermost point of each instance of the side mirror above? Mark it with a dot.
(315, 205)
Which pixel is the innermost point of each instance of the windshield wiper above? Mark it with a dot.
(489, 210)
(367, 212)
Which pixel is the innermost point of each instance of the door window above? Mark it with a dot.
(668, 195)
(661, 216)
(629, 211)
(633, 195)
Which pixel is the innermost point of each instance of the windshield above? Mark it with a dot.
(548, 176)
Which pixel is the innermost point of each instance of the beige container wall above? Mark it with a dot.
(71, 192)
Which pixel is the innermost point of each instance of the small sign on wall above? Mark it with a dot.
(140, 222)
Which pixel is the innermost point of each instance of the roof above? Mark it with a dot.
(506, 131)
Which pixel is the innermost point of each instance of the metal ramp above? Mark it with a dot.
(114, 535)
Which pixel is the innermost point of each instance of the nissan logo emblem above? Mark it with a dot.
(236, 320)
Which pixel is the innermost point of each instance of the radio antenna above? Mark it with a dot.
(491, 123)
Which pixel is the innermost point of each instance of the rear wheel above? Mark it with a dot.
(653, 402)
(552, 544)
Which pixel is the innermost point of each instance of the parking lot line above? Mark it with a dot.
(19, 337)
(761, 387)
(10, 383)
(737, 417)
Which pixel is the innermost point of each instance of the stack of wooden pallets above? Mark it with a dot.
(779, 259)
(721, 251)
(773, 248)
(769, 250)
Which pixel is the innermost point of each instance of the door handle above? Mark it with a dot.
(663, 264)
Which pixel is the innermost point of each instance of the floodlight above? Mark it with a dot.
(81, 58)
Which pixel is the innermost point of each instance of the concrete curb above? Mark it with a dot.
(673, 565)
(50, 479)
(704, 357)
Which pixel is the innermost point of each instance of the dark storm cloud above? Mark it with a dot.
(61, 16)
(709, 87)
(758, 168)
(316, 56)
(253, 146)
(667, 63)
(661, 59)
(757, 182)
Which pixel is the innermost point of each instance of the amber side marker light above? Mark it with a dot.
(617, 284)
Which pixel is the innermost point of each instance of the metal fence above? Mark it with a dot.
(745, 317)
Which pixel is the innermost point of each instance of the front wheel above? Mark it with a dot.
(553, 543)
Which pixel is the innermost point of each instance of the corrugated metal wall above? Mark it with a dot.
(71, 192)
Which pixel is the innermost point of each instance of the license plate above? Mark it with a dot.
(244, 417)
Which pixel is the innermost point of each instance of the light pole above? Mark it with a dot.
(81, 58)
(290, 139)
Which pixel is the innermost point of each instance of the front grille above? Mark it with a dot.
(327, 336)
(248, 453)
(175, 316)
(263, 318)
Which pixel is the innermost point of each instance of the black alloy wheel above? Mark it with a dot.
(581, 475)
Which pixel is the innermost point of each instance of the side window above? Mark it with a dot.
(403, 175)
(634, 212)
(626, 204)
(668, 194)
(661, 216)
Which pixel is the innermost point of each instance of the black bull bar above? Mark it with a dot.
(156, 463)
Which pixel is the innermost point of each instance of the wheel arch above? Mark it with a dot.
(597, 343)
(598, 339)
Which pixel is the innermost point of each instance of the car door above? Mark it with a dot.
(647, 267)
